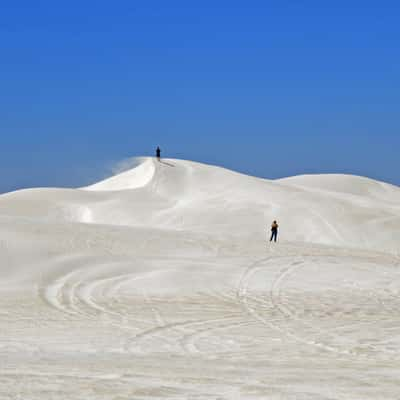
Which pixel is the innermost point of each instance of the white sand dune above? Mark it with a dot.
(158, 283)
(182, 195)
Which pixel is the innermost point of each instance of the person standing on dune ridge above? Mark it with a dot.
(158, 153)
(274, 231)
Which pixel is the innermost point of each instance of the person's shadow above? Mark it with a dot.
(166, 163)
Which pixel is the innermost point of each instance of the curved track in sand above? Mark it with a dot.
(296, 322)
(266, 295)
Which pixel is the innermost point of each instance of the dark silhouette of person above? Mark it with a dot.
(158, 153)
(274, 231)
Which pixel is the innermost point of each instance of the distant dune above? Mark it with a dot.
(338, 210)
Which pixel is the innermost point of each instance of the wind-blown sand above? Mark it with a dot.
(159, 283)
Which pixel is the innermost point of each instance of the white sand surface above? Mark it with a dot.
(159, 283)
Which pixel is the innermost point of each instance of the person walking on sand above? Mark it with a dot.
(274, 231)
(158, 153)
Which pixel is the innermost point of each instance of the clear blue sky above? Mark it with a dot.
(269, 88)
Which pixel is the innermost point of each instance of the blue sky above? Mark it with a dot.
(269, 88)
